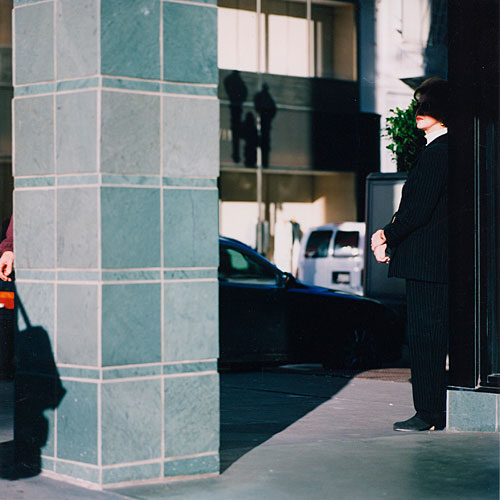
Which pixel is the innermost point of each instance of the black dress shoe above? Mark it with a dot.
(415, 423)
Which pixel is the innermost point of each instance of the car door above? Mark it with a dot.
(252, 318)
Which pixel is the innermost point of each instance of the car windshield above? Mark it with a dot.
(318, 243)
(238, 267)
(346, 244)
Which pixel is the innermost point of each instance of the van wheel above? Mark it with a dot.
(360, 350)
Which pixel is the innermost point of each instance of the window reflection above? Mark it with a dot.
(292, 43)
(237, 267)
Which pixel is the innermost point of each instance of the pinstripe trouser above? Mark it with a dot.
(427, 306)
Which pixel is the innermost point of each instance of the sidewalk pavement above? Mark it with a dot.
(299, 434)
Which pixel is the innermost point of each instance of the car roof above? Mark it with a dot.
(342, 226)
(227, 239)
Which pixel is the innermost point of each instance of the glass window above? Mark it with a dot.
(318, 244)
(334, 33)
(287, 44)
(292, 44)
(237, 37)
(346, 244)
(238, 267)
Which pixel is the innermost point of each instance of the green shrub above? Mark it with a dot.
(406, 139)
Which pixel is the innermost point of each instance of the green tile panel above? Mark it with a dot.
(34, 89)
(70, 372)
(190, 274)
(131, 324)
(77, 424)
(130, 41)
(77, 324)
(79, 471)
(193, 89)
(472, 411)
(34, 182)
(130, 222)
(77, 238)
(76, 132)
(78, 180)
(128, 84)
(38, 300)
(78, 276)
(77, 40)
(191, 320)
(34, 275)
(20, 3)
(130, 146)
(34, 42)
(190, 182)
(48, 463)
(189, 43)
(183, 156)
(111, 475)
(131, 417)
(206, 464)
(190, 367)
(139, 275)
(130, 180)
(34, 133)
(192, 216)
(34, 231)
(78, 84)
(138, 371)
(186, 399)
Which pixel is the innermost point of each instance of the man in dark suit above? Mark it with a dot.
(417, 238)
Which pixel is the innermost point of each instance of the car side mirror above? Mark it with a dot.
(287, 280)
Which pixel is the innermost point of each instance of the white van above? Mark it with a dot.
(332, 256)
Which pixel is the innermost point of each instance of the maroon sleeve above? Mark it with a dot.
(8, 243)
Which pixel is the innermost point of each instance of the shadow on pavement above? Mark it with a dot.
(37, 388)
(256, 406)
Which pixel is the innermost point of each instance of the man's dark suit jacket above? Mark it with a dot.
(418, 233)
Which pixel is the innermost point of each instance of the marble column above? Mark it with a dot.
(116, 231)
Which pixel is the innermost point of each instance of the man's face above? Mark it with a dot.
(426, 122)
(422, 109)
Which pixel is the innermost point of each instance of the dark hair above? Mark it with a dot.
(433, 99)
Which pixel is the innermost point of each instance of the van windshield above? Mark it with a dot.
(346, 244)
(318, 243)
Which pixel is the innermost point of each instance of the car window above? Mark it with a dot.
(346, 244)
(238, 267)
(318, 243)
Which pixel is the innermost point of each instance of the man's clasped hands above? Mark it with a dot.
(379, 246)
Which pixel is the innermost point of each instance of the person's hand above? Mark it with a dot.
(6, 263)
(378, 238)
(380, 255)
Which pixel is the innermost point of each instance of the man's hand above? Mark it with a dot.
(380, 255)
(378, 238)
(6, 263)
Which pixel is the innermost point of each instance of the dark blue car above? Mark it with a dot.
(268, 317)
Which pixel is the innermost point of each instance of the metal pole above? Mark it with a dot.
(260, 205)
(310, 41)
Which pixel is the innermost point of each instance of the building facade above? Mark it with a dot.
(289, 79)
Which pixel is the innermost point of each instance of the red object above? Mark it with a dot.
(7, 300)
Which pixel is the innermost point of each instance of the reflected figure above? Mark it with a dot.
(37, 389)
(266, 108)
(237, 92)
(250, 134)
